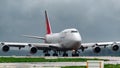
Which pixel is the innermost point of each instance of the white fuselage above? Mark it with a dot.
(68, 39)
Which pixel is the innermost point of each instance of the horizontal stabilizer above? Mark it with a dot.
(36, 37)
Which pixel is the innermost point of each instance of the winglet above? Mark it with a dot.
(48, 26)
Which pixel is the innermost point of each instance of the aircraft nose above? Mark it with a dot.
(76, 38)
(76, 42)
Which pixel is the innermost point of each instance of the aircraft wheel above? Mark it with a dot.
(75, 55)
(47, 54)
(55, 54)
(65, 55)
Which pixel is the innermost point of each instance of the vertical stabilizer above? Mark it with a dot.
(48, 26)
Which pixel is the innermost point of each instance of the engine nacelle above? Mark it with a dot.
(33, 50)
(115, 47)
(97, 49)
(5, 48)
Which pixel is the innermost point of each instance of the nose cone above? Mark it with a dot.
(76, 37)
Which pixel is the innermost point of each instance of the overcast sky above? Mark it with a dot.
(96, 20)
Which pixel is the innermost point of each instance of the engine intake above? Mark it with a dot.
(5, 48)
(33, 50)
(97, 49)
(115, 48)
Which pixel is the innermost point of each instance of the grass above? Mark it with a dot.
(12, 59)
(112, 66)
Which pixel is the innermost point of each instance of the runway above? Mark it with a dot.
(112, 60)
(42, 64)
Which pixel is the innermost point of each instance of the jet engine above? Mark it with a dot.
(5, 48)
(97, 49)
(115, 47)
(33, 50)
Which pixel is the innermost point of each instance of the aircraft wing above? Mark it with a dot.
(97, 46)
(33, 46)
(10, 44)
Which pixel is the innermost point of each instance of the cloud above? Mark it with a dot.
(96, 20)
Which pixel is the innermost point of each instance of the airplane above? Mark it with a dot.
(64, 41)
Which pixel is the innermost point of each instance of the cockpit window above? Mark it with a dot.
(74, 31)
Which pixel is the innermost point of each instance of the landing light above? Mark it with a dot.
(73, 50)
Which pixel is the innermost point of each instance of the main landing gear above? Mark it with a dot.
(55, 54)
(46, 53)
(65, 54)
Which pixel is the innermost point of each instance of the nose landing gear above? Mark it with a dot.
(75, 53)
